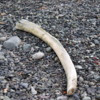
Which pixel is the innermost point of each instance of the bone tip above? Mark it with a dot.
(71, 91)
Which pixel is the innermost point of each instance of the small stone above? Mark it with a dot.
(2, 77)
(38, 55)
(91, 91)
(97, 77)
(84, 94)
(81, 79)
(76, 97)
(3, 38)
(4, 98)
(92, 45)
(48, 49)
(71, 98)
(32, 50)
(27, 47)
(2, 56)
(44, 96)
(33, 91)
(86, 98)
(62, 98)
(78, 67)
(12, 43)
(98, 97)
(0, 47)
(25, 85)
(96, 42)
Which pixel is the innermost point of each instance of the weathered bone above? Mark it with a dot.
(57, 47)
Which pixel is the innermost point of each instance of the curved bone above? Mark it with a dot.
(57, 47)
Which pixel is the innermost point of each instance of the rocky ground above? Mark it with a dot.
(23, 75)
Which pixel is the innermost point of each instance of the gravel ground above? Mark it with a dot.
(76, 23)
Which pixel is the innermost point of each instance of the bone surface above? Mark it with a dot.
(60, 51)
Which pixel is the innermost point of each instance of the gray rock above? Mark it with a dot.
(3, 38)
(33, 91)
(81, 79)
(38, 55)
(76, 97)
(92, 44)
(98, 97)
(78, 67)
(25, 85)
(84, 94)
(27, 47)
(96, 41)
(62, 98)
(4, 98)
(12, 43)
(71, 98)
(91, 91)
(86, 98)
(32, 50)
(48, 49)
(2, 56)
(0, 47)
(2, 77)
(97, 77)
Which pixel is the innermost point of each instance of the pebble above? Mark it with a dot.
(2, 77)
(84, 94)
(91, 91)
(3, 38)
(33, 91)
(44, 96)
(2, 56)
(12, 43)
(96, 42)
(0, 47)
(78, 67)
(32, 50)
(25, 85)
(62, 98)
(38, 55)
(81, 79)
(86, 98)
(4, 98)
(27, 47)
(76, 97)
(92, 45)
(71, 98)
(98, 97)
(97, 77)
(48, 49)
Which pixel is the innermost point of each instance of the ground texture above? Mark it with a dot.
(76, 24)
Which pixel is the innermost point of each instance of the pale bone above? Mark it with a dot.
(57, 47)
